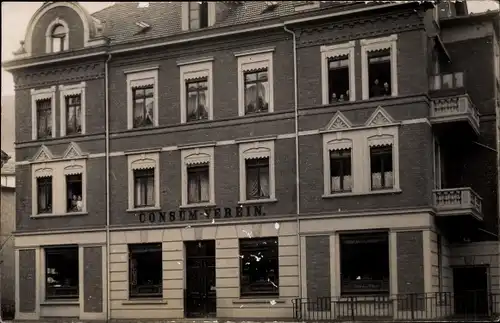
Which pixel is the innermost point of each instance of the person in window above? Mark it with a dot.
(333, 98)
(386, 91)
(377, 89)
(341, 98)
(79, 204)
(73, 203)
(347, 95)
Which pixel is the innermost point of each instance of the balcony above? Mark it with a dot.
(458, 201)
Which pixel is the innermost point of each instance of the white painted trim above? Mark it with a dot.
(195, 71)
(307, 6)
(393, 258)
(42, 94)
(57, 171)
(48, 36)
(185, 14)
(367, 45)
(143, 161)
(206, 154)
(44, 9)
(333, 265)
(303, 266)
(259, 149)
(334, 51)
(360, 156)
(68, 90)
(254, 61)
(136, 77)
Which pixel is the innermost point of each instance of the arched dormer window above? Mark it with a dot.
(57, 36)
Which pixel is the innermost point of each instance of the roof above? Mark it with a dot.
(491, 15)
(165, 17)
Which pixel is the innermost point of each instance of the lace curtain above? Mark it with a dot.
(258, 182)
(198, 187)
(377, 180)
(347, 183)
(144, 191)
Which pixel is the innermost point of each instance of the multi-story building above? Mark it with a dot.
(228, 158)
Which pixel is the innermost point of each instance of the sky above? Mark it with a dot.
(16, 15)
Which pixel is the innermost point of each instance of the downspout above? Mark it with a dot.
(297, 160)
(106, 108)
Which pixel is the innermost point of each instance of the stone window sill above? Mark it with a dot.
(197, 206)
(144, 209)
(54, 215)
(261, 201)
(147, 301)
(378, 192)
(60, 302)
(266, 300)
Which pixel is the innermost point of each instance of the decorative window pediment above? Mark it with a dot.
(379, 118)
(43, 154)
(339, 144)
(380, 141)
(72, 152)
(73, 170)
(338, 122)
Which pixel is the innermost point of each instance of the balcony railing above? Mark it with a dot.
(467, 306)
(456, 201)
(455, 108)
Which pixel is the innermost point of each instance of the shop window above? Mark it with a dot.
(61, 272)
(259, 267)
(364, 264)
(145, 270)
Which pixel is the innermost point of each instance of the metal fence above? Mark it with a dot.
(470, 306)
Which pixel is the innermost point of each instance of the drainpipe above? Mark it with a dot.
(108, 285)
(297, 160)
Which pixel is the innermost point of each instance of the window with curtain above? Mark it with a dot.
(44, 118)
(340, 170)
(58, 37)
(196, 99)
(73, 114)
(44, 191)
(143, 103)
(381, 167)
(256, 91)
(257, 177)
(62, 278)
(198, 183)
(144, 187)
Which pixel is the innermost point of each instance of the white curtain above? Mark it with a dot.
(144, 192)
(258, 182)
(198, 187)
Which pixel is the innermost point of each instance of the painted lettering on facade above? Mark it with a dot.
(200, 214)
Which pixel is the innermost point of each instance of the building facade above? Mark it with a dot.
(232, 159)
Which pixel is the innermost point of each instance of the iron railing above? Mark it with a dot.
(469, 306)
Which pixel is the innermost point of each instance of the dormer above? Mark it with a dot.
(198, 14)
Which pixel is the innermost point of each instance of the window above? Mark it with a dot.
(72, 98)
(381, 167)
(196, 90)
(44, 193)
(144, 180)
(338, 79)
(196, 99)
(256, 91)
(255, 83)
(58, 38)
(379, 73)
(379, 67)
(198, 184)
(75, 197)
(259, 267)
(142, 93)
(198, 176)
(62, 273)
(198, 15)
(73, 115)
(337, 73)
(143, 103)
(145, 270)
(340, 170)
(257, 171)
(364, 263)
(44, 118)
(257, 178)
